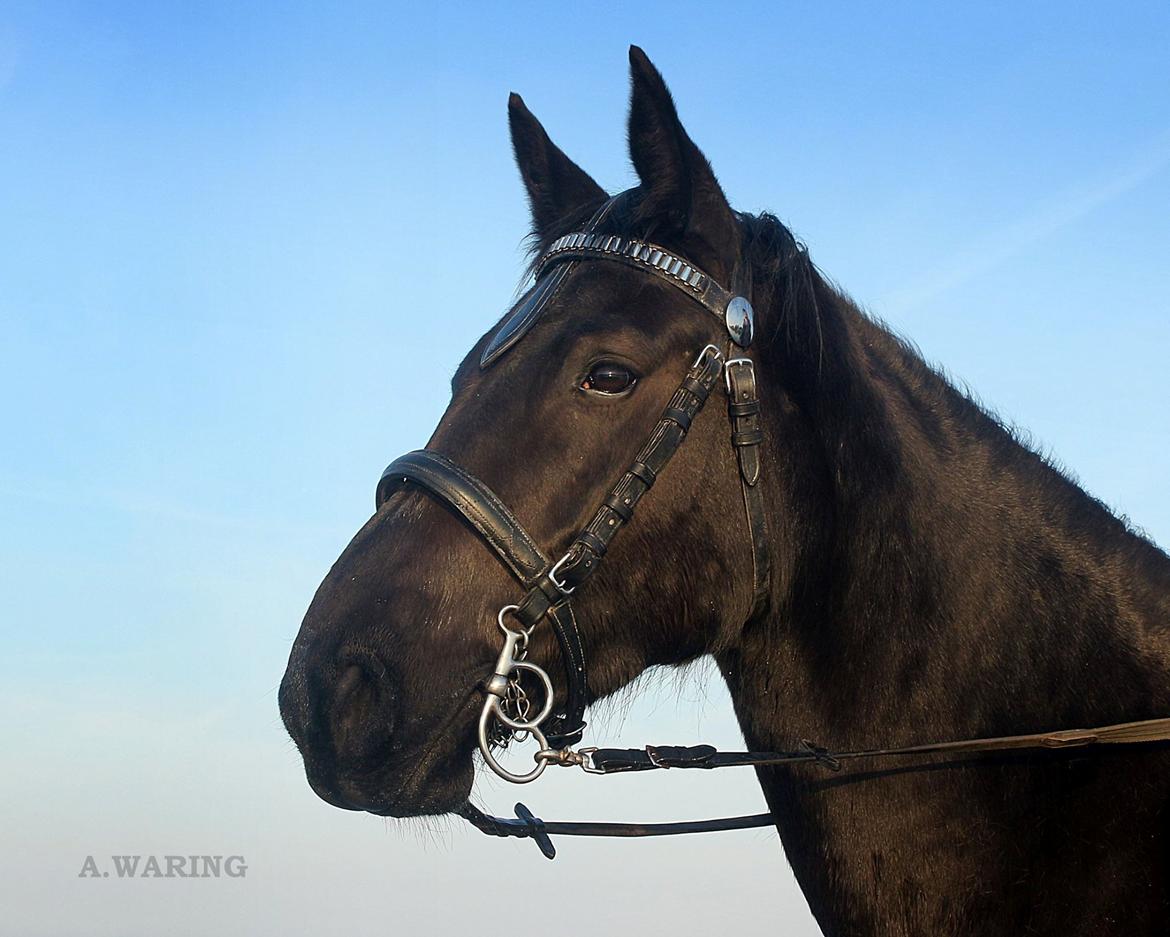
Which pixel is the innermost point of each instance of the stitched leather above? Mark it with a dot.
(473, 501)
(665, 439)
(499, 528)
(568, 724)
(576, 248)
(617, 760)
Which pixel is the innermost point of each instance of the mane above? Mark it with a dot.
(910, 465)
(783, 280)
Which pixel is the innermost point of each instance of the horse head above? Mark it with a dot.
(388, 673)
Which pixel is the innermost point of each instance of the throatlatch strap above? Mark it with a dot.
(743, 409)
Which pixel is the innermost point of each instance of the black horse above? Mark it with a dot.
(931, 578)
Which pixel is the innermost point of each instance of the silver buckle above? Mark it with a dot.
(552, 576)
(731, 362)
(703, 354)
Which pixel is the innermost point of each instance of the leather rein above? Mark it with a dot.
(508, 712)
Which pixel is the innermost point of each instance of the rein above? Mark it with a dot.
(615, 761)
(508, 712)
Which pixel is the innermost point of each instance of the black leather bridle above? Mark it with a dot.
(549, 586)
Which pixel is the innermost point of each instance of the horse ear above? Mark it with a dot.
(681, 193)
(558, 189)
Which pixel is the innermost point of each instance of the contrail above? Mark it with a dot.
(991, 250)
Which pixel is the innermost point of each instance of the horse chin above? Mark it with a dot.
(427, 787)
(432, 794)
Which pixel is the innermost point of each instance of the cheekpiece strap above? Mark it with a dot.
(743, 410)
(584, 555)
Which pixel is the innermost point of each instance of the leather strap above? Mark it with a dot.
(618, 760)
(590, 546)
(472, 500)
(548, 593)
(567, 724)
(528, 826)
(651, 258)
(743, 411)
(498, 527)
(611, 761)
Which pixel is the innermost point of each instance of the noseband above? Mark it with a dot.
(508, 712)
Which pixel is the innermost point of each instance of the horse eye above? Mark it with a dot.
(609, 377)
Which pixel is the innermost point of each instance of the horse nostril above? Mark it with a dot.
(360, 716)
(350, 683)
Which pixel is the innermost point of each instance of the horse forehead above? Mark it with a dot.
(533, 304)
(568, 284)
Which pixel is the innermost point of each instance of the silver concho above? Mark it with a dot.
(741, 322)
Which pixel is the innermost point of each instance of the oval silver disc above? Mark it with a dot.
(741, 322)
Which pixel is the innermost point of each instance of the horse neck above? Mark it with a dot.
(948, 581)
(935, 580)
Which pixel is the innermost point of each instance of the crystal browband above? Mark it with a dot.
(554, 267)
(655, 259)
(636, 251)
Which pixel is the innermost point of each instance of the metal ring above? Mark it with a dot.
(504, 628)
(526, 725)
(486, 751)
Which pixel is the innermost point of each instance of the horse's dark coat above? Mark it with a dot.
(934, 579)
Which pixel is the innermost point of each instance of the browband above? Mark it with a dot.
(732, 309)
(555, 265)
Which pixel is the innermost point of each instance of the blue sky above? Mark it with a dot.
(228, 298)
